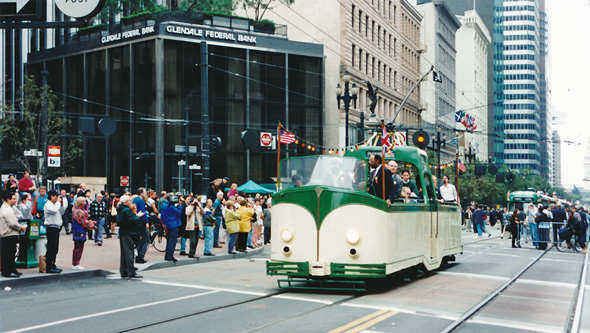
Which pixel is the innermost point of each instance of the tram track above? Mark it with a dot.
(169, 319)
(574, 315)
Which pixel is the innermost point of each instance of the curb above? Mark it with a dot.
(42, 278)
(182, 261)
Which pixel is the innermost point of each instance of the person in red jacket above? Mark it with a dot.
(26, 185)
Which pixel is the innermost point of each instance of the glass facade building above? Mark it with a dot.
(148, 76)
(521, 32)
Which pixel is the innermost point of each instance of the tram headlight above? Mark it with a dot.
(352, 237)
(286, 235)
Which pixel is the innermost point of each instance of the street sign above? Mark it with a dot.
(53, 162)
(53, 156)
(22, 10)
(265, 139)
(124, 181)
(79, 8)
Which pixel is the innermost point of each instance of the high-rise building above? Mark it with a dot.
(473, 41)
(439, 27)
(556, 160)
(527, 136)
(485, 10)
(376, 41)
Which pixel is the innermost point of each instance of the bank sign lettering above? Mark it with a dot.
(128, 34)
(210, 34)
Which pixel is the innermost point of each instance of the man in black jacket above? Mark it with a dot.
(129, 225)
(376, 180)
(559, 216)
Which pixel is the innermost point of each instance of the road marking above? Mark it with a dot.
(475, 276)
(563, 260)
(194, 286)
(303, 299)
(366, 319)
(372, 322)
(520, 326)
(547, 283)
(378, 307)
(94, 315)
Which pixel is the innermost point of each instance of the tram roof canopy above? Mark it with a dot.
(252, 187)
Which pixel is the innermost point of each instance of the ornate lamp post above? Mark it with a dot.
(437, 142)
(350, 94)
(471, 155)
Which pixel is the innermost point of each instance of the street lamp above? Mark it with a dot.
(471, 155)
(350, 94)
(437, 142)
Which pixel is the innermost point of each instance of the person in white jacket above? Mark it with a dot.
(54, 209)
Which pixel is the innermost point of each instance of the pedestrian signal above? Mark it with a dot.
(510, 177)
(480, 169)
(421, 139)
(215, 143)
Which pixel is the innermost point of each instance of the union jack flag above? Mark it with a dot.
(287, 137)
(386, 142)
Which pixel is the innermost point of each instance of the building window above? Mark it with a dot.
(352, 12)
(373, 31)
(360, 20)
(360, 59)
(378, 35)
(372, 66)
(367, 64)
(367, 26)
(353, 54)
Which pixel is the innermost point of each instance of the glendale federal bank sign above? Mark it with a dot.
(189, 31)
(209, 33)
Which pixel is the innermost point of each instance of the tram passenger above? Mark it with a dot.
(376, 180)
(397, 180)
(448, 191)
(408, 183)
(297, 180)
(337, 177)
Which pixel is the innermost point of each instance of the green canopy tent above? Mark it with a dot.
(252, 187)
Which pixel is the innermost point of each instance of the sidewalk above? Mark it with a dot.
(106, 258)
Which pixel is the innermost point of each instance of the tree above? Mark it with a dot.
(261, 6)
(127, 7)
(225, 7)
(25, 133)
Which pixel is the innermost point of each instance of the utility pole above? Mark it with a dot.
(205, 113)
(42, 166)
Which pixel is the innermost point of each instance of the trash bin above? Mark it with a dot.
(28, 243)
(543, 230)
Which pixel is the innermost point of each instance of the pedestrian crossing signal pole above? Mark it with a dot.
(457, 174)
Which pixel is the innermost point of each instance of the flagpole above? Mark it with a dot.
(278, 152)
(383, 158)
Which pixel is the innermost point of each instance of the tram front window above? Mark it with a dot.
(335, 171)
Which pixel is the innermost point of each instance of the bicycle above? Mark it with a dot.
(158, 236)
(570, 243)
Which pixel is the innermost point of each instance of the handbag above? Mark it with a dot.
(42, 264)
(79, 236)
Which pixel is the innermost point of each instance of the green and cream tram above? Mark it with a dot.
(327, 228)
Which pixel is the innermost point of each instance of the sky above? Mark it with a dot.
(569, 77)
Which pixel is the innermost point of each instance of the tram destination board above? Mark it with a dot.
(22, 10)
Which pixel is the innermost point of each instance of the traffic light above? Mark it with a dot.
(500, 177)
(249, 138)
(510, 177)
(492, 169)
(215, 143)
(480, 169)
(421, 139)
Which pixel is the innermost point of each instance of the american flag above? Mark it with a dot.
(287, 137)
(461, 166)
